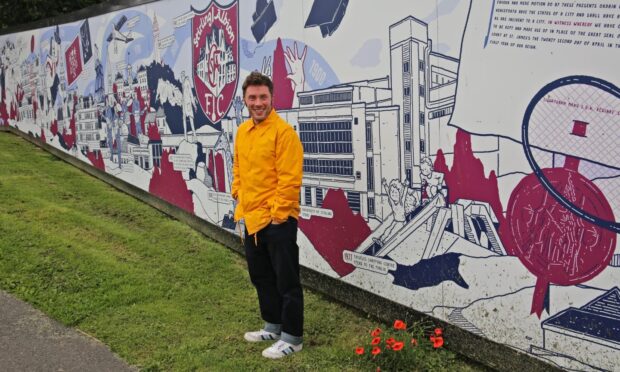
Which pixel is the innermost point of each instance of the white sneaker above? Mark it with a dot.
(281, 349)
(261, 335)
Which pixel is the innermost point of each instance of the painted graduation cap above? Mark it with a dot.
(264, 17)
(327, 14)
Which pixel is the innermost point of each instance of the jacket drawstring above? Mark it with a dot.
(241, 236)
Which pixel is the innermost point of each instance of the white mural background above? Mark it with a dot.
(417, 182)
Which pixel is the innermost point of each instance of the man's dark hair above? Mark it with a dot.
(258, 79)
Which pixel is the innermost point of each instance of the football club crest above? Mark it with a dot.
(215, 58)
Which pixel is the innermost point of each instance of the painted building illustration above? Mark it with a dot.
(348, 119)
(89, 125)
(597, 323)
(436, 154)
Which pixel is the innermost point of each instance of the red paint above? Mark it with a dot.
(169, 185)
(116, 92)
(153, 133)
(466, 179)
(54, 127)
(282, 86)
(331, 236)
(571, 163)
(553, 243)
(4, 114)
(96, 159)
(73, 60)
(132, 125)
(43, 139)
(219, 176)
(19, 95)
(579, 128)
(201, 31)
(13, 113)
(70, 138)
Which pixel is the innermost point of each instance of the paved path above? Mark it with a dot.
(31, 341)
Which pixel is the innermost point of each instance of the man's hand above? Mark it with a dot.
(296, 63)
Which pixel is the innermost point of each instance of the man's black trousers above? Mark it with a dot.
(273, 263)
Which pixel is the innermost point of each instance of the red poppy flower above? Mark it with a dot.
(398, 346)
(414, 342)
(437, 341)
(390, 341)
(376, 341)
(359, 350)
(438, 331)
(376, 350)
(376, 332)
(399, 324)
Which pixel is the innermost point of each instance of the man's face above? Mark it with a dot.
(258, 101)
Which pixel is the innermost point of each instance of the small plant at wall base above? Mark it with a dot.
(401, 348)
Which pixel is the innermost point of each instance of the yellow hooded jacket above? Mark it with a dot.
(267, 171)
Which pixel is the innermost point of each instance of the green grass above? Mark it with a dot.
(161, 295)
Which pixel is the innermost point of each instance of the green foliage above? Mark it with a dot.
(161, 295)
(16, 12)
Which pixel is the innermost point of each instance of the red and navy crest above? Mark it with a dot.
(215, 58)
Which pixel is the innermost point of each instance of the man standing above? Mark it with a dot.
(267, 169)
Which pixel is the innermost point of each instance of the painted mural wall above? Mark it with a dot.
(461, 158)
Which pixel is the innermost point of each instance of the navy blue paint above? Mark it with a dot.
(174, 114)
(430, 272)
(228, 222)
(600, 318)
(264, 18)
(62, 142)
(327, 14)
(87, 49)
